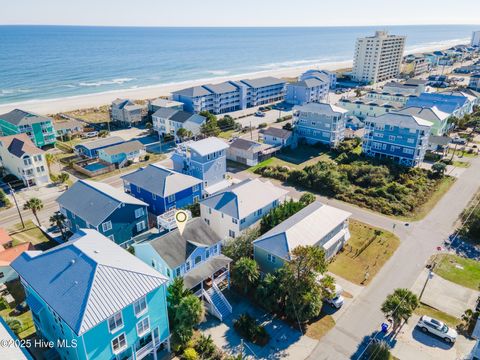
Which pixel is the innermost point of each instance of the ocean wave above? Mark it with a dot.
(218, 72)
(106, 82)
(6, 92)
(292, 63)
(435, 45)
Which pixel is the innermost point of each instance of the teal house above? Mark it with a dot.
(120, 153)
(99, 206)
(194, 255)
(38, 128)
(94, 300)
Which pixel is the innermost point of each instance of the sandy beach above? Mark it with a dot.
(53, 106)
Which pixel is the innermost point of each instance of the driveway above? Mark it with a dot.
(412, 343)
(445, 295)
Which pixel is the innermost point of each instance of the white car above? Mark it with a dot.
(438, 328)
(336, 302)
(260, 114)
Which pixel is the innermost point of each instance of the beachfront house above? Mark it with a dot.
(39, 128)
(206, 160)
(90, 149)
(247, 152)
(167, 121)
(20, 157)
(315, 225)
(438, 118)
(162, 189)
(306, 91)
(126, 113)
(96, 298)
(231, 95)
(319, 123)
(121, 153)
(160, 103)
(400, 137)
(277, 137)
(95, 205)
(230, 212)
(456, 104)
(195, 255)
(67, 128)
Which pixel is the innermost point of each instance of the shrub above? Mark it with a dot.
(3, 304)
(147, 157)
(15, 325)
(190, 354)
(247, 327)
(262, 125)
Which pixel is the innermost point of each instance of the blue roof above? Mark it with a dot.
(444, 102)
(87, 279)
(161, 181)
(93, 201)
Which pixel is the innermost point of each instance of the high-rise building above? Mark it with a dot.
(475, 38)
(378, 58)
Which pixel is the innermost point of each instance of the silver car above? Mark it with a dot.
(438, 328)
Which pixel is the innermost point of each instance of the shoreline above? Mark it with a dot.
(93, 100)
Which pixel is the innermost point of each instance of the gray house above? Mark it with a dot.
(277, 137)
(126, 113)
(246, 152)
(315, 225)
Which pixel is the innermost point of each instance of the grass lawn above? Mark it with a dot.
(461, 164)
(31, 233)
(462, 271)
(450, 320)
(366, 251)
(16, 289)
(435, 197)
(317, 329)
(227, 134)
(92, 115)
(460, 153)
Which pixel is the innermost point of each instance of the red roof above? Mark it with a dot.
(4, 237)
(10, 254)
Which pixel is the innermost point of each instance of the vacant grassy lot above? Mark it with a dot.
(465, 272)
(365, 253)
(92, 115)
(31, 233)
(450, 320)
(318, 328)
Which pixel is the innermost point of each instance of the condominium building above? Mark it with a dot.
(400, 137)
(475, 38)
(231, 95)
(378, 58)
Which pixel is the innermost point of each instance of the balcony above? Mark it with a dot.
(144, 351)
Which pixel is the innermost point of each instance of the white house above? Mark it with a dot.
(167, 121)
(21, 158)
(277, 137)
(230, 212)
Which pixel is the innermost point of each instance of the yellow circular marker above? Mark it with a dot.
(181, 218)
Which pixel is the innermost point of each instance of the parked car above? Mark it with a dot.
(20, 308)
(459, 140)
(260, 114)
(336, 302)
(437, 328)
(90, 134)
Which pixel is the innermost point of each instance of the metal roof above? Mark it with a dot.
(95, 144)
(94, 201)
(160, 181)
(245, 198)
(430, 114)
(174, 248)
(125, 147)
(307, 227)
(263, 82)
(87, 279)
(207, 146)
(193, 91)
(20, 117)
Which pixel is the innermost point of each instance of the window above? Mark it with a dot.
(171, 198)
(177, 272)
(119, 343)
(271, 258)
(139, 212)
(231, 233)
(140, 306)
(154, 263)
(391, 138)
(235, 221)
(195, 188)
(107, 226)
(410, 141)
(143, 326)
(198, 259)
(209, 210)
(242, 221)
(207, 253)
(111, 237)
(115, 322)
(168, 272)
(259, 212)
(187, 266)
(207, 221)
(154, 197)
(196, 199)
(141, 226)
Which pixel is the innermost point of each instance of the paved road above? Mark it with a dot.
(419, 242)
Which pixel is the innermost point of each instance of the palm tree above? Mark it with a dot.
(183, 134)
(58, 220)
(245, 273)
(63, 177)
(35, 205)
(399, 306)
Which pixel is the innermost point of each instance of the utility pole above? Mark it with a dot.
(430, 275)
(251, 135)
(16, 204)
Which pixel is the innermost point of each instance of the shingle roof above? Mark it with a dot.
(94, 201)
(308, 83)
(245, 198)
(207, 146)
(181, 116)
(222, 88)
(400, 120)
(263, 81)
(67, 124)
(306, 227)
(277, 132)
(174, 248)
(175, 115)
(430, 114)
(205, 270)
(160, 181)
(125, 147)
(324, 108)
(244, 144)
(95, 144)
(193, 91)
(87, 279)
(20, 144)
(20, 117)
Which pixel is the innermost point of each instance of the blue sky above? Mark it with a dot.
(240, 12)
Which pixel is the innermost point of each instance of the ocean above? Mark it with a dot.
(49, 62)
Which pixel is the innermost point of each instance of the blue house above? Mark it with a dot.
(162, 189)
(456, 104)
(206, 160)
(99, 206)
(121, 153)
(400, 137)
(94, 300)
(194, 255)
(302, 92)
(90, 148)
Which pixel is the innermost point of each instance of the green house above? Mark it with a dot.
(39, 128)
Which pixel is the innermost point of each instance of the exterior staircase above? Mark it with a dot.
(220, 305)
